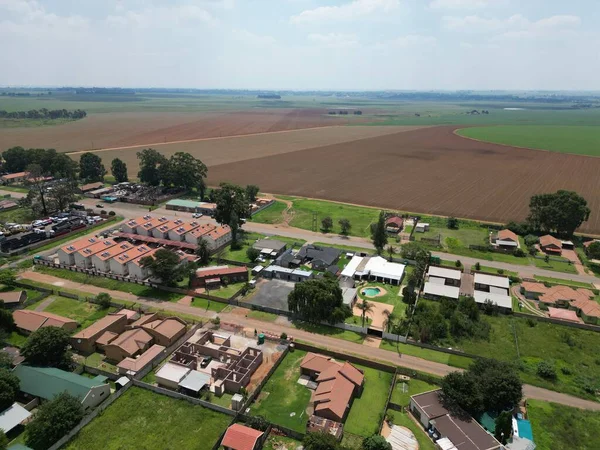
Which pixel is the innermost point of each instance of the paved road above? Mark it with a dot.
(408, 361)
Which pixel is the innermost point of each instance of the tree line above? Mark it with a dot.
(44, 113)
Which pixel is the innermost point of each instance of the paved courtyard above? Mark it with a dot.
(272, 293)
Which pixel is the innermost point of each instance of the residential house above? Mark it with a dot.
(131, 226)
(130, 366)
(162, 231)
(12, 417)
(394, 224)
(83, 257)
(128, 344)
(17, 177)
(374, 268)
(119, 265)
(178, 233)
(135, 268)
(28, 321)
(338, 384)
(505, 240)
(66, 254)
(212, 277)
(218, 237)
(170, 375)
(195, 235)
(287, 259)
(240, 437)
(320, 258)
(270, 248)
(493, 288)
(550, 245)
(145, 229)
(282, 273)
(85, 341)
(165, 331)
(458, 432)
(421, 227)
(47, 382)
(13, 299)
(101, 260)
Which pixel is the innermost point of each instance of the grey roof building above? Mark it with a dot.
(320, 257)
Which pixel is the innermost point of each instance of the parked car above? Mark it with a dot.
(205, 362)
(196, 215)
(99, 205)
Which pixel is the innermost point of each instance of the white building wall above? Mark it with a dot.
(137, 272)
(96, 396)
(424, 419)
(66, 258)
(118, 268)
(102, 266)
(189, 237)
(82, 261)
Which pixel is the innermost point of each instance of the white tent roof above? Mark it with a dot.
(442, 272)
(381, 267)
(12, 417)
(351, 267)
(492, 280)
(401, 438)
(502, 300)
(441, 290)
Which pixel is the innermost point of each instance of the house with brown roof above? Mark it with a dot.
(85, 340)
(338, 384)
(550, 245)
(178, 233)
(128, 344)
(162, 231)
(135, 268)
(66, 254)
(212, 277)
(580, 300)
(101, 260)
(130, 366)
(195, 235)
(119, 264)
(131, 226)
(90, 187)
(218, 238)
(16, 177)
(165, 331)
(83, 257)
(505, 240)
(394, 224)
(240, 437)
(28, 321)
(12, 299)
(145, 229)
(464, 433)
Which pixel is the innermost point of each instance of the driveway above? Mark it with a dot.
(377, 315)
(271, 293)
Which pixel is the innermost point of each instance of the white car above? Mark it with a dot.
(196, 215)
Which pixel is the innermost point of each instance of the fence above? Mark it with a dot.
(96, 371)
(254, 394)
(581, 326)
(343, 356)
(87, 419)
(389, 398)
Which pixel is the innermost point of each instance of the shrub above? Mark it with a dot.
(477, 266)
(458, 263)
(501, 271)
(519, 253)
(531, 322)
(112, 213)
(514, 279)
(566, 370)
(103, 300)
(546, 370)
(103, 212)
(283, 336)
(452, 223)
(531, 240)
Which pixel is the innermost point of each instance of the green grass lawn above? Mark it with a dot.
(97, 360)
(368, 409)
(557, 266)
(275, 442)
(143, 419)
(208, 305)
(17, 215)
(402, 419)
(414, 387)
(360, 217)
(107, 283)
(16, 340)
(581, 140)
(227, 292)
(272, 214)
(261, 315)
(330, 331)
(572, 283)
(357, 320)
(83, 313)
(282, 400)
(249, 239)
(494, 271)
(20, 189)
(558, 426)
(347, 248)
(462, 362)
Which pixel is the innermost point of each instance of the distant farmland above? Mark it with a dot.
(581, 140)
(429, 170)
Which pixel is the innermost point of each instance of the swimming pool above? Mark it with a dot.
(524, 427)
(371, 291)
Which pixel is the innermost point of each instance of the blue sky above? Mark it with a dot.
(302, 44)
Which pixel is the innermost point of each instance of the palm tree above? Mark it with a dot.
(389, 320)
(391, 251)
(365, 307)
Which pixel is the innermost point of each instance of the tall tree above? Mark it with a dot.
(118, 169)
(231, 199)
(593, 250)
(150, 162)
(53, 420)
(391, 251)
(62, 166)
(504, 428)
(9, 388)
(36, 183)
(318, 300)
(376, 442)
(345, 226)
(234, 225)
(48, 347)
(185, 171)
(379, 234)
(365, 308)
(203, 253)
(462, 391)
(91, 167)
(562, 212)
(62, 194)
(326, 224)
(165, 265)
(320, 441)
(15, 160)
(251, 192)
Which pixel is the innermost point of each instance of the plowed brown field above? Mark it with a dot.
(428, 170)
(125, 129)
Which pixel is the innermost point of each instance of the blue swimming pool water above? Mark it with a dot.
(524, 427)
(371, 291)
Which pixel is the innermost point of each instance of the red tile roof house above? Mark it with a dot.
(394, 224)
(85, 340)
(165, 331)
(13, 299)
(29, 321)
(240, 437)
(505, 239)
(549, 244)
(338, 384)
(127, 345)
(212, 277)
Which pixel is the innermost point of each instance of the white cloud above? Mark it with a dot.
(161, 16)
(413, 39)
(464, 4)
(251, 38)
(477, 23)
(356, 9)
(31, 18)
(334, 40)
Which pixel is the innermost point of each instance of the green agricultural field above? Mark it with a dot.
(368, 409)
(581, 140)
(403, 391)
(282, 400)
(143, 419)
(556, 426)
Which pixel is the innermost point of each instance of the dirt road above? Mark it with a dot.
(408, 361)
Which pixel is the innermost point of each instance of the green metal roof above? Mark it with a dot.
(47, 382)
(184, 203)
(19, 447)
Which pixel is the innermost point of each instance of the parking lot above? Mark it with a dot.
(272, 293)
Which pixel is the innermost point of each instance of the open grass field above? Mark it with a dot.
(563, 282)
(557, 266)
(462, 362)
(282, 400)
(143, 419)
(581, 140)
(430, 170)
(83, 313)
(404, 390)
(272, 214)
(556, 426)
(337, 333)
(368, 409)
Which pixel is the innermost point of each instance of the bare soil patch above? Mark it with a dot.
(428, 170)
